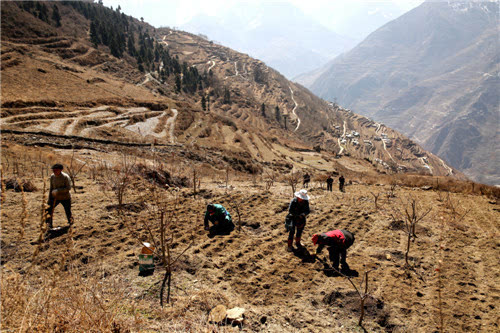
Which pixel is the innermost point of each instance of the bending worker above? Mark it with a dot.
(338, 241)
(221, 219)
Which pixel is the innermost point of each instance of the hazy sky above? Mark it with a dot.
(174, 13)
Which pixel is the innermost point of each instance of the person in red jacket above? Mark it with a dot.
(337, 241)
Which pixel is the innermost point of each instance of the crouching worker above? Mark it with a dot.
(220, 218)
(297, 212)
(337, 241)
(60, 186)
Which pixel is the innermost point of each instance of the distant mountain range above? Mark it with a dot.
(277, 33)
(433, 74)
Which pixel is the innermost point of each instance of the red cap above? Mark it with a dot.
(315, 238)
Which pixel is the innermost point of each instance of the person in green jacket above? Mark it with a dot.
(220, 218)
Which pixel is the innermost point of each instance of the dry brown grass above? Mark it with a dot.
(444, 184)
(61, 298)
(72, 295)
(60, 301)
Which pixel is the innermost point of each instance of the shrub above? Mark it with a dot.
(15, 184)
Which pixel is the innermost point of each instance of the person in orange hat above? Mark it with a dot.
(337, 241)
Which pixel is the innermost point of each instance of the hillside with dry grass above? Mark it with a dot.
(147, 157)
(86, 277)
(87, 92)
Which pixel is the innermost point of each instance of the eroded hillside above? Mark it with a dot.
(89, 93)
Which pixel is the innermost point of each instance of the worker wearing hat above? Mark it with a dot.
(297, 212)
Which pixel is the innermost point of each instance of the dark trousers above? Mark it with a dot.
(223, 228)
(49, 212)
(298, 225)
(341, 187)
(337, 254)
(329, 187)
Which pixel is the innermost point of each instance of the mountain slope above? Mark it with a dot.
(277, 33)
(133, 129)
(108, 97)
(431, 74)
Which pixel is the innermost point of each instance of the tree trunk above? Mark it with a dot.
(165, 278)
(408, 248)
(362, 304)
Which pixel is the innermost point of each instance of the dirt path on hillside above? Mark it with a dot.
(385, 148)
(171, 126)
(426, 165)
(211, 66)
(148, 77)
(237, 73)
(342, 148)
(450, 170)
(163, 40)
(293, 111)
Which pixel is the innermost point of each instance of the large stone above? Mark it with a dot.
(235, 315)
(218, 314)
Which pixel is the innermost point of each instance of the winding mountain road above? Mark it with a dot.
(236, 68)
(148, 78)
(338, 140)
(450, 170)
(163, 40)
(293, 111)
(171, 125)
(211, 66)
(427, 166)
(385, 148)
(237, 72)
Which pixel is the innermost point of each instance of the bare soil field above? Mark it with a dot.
(86, 278)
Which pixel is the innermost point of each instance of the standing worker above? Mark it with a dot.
(341, 183)
(221, 219)
(306, 180)
(329, 183)
(297, 212)
(338, 241)
(59, 193)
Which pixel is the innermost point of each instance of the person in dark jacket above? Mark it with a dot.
(341, 183)
(329, 183)
(297, 212)
(337, 241)
(306, 180)
(220, 218)
(59, 193)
